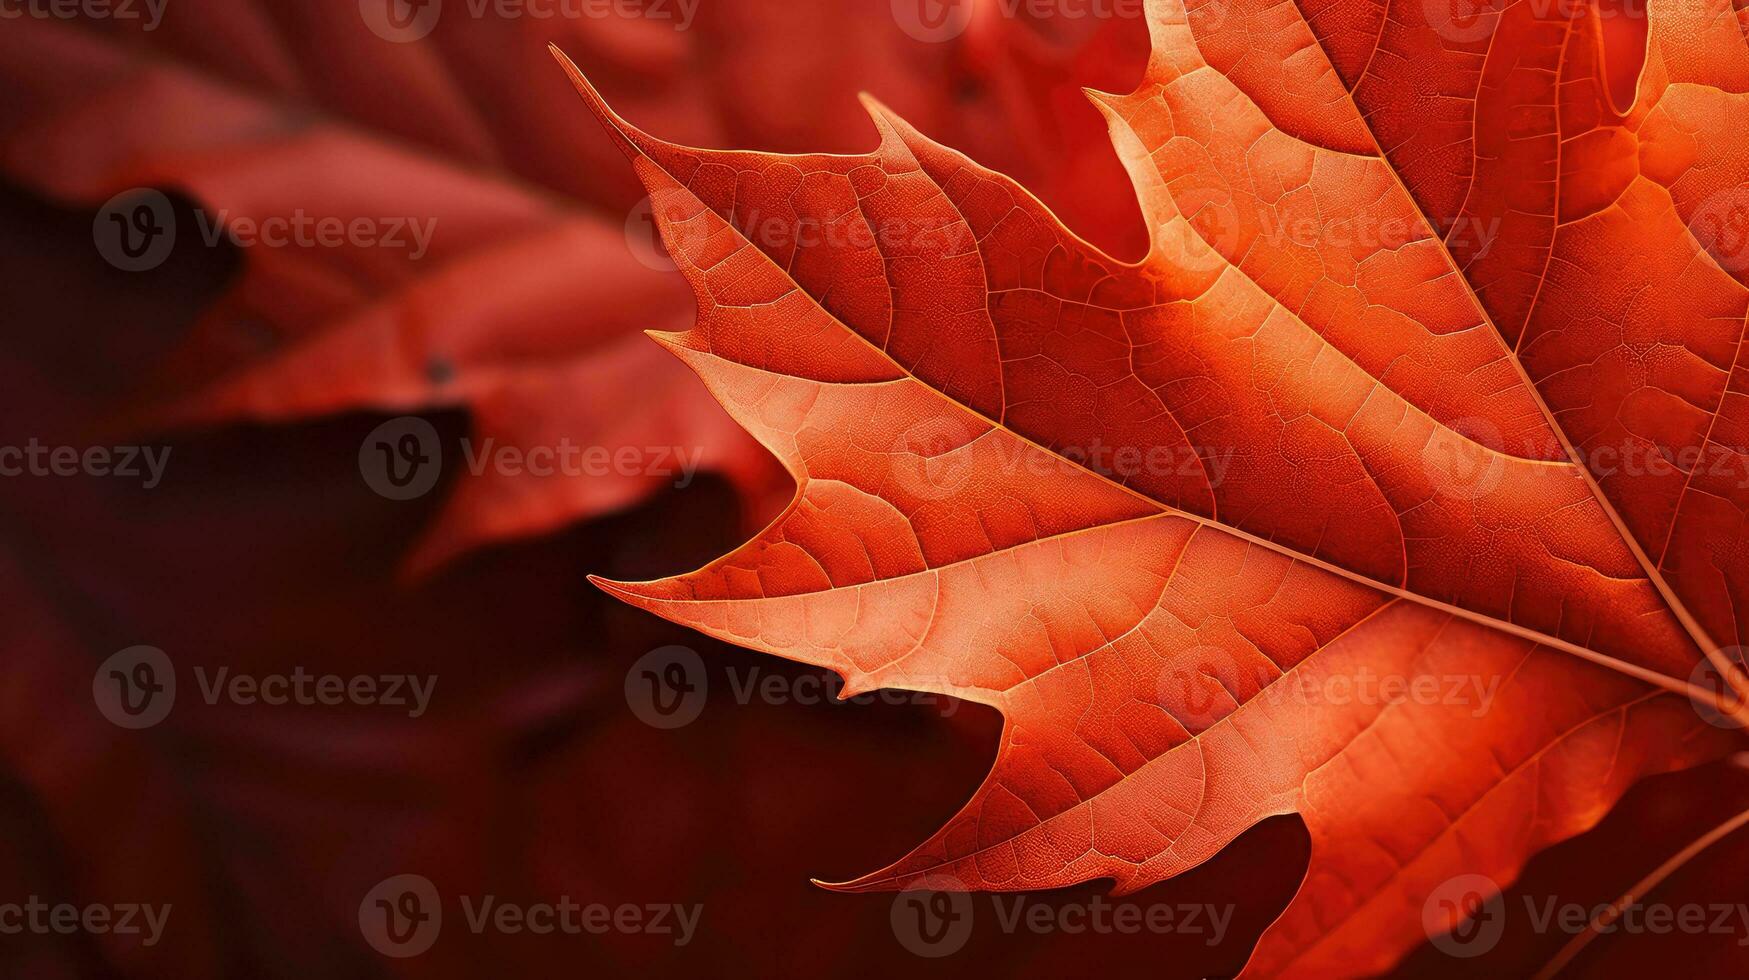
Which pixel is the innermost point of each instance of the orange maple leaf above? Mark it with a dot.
(1344, 501)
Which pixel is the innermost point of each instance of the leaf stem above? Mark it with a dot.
(1639, 889)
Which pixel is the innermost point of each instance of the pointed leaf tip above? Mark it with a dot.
(641, 594)
(608, 585)
(627, 137)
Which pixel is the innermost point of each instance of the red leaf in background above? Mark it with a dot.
(75, 772)
(1388, 470)
(524, 307)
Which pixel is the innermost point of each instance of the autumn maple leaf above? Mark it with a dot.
(316, 110)
(1422, 314)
